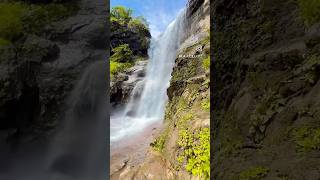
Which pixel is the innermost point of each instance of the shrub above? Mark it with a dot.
(309, 10)
(122, 54)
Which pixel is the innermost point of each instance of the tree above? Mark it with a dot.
(121, 14)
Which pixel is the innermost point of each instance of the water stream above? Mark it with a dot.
(149, 106)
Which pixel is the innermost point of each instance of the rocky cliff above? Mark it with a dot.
(266, 89)
(39, 70)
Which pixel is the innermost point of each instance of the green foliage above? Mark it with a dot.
(11, 24)
(121, 60)
(159, 143)
(309, 10)
(122, 54)
(116, 67)
(196, 151)
(206, 63)
(306, 138)
(121, 14)
(254, 173)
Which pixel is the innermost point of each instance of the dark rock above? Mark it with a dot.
(138, 42)
(39, 50)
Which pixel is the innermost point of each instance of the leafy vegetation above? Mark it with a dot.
(121, 59)
(123, 16)
(254, 173)
(120, 14)
(309, 10)
(196, 151)
(122, 54)
(116, 67)
(159, 143)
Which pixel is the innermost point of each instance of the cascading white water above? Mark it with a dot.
(149, 107)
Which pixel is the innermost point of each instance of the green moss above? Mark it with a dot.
(182, 122)
(257, 81)
(206, 63)
(268, 105)
(254, 173)
(306, 138)
(309, 10)
(196, 151)
(205, 104)
(231, 137)
(308, 71)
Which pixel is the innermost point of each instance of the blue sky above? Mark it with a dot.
(159, 13)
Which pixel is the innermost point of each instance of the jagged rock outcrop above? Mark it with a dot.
(123, 83)
(38, 73)
(138, 41)
(266, 91)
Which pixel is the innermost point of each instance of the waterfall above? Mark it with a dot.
(150, 106)
(78, 151)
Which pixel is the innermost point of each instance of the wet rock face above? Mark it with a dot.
(263, 54)
(122, 85)
(38, 73)
(20, 103)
